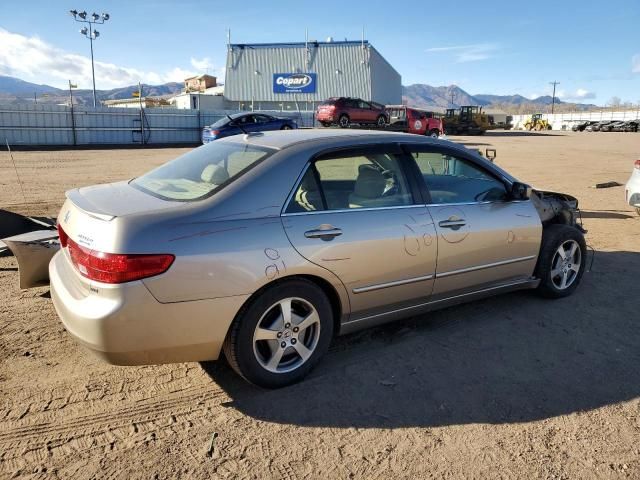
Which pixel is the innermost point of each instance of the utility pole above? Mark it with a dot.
(553, 99)
(141, 112)
(73, 121)
(91, 33)
(453, 94)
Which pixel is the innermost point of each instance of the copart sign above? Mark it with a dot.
(294, 82)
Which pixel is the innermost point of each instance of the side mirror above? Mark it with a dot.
(490, 154)
(520, 191)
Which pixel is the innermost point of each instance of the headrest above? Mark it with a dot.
(214, 174)
(370, 182)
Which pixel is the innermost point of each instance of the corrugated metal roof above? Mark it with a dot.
(298, 44)
(342, 69)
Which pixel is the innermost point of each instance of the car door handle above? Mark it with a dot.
(451, 223)
(324, 232)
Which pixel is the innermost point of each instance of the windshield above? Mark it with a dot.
(201, 172)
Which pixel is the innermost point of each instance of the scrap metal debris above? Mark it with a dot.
(33, 241)
(606, 185)
(211, 448)
(34, 251)
(14, 224)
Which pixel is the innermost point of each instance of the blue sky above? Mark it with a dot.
(497, 47)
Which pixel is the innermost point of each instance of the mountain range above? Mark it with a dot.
(14, 90)
(426, 96)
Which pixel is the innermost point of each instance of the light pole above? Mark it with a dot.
(91, 33)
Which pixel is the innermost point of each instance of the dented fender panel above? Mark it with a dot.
(34, 251)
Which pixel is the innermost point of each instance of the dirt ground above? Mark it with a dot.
(510, 387)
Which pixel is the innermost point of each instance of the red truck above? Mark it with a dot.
(415, 120)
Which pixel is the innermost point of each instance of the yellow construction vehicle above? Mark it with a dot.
(537, 123)
(469, 120)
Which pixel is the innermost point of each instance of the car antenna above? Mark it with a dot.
(237, 125)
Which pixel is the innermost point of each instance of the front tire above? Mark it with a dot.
(281, 335)
(344, 121)
(434, 134)
(286, 127)
(562, 260)
(638, 210)
(381, 121)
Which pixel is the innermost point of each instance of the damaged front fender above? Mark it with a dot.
(554, 207)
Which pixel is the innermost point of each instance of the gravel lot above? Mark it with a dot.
(510, 387)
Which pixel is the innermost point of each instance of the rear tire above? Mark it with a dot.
(434, 133)
(381, 121)
(638, 210)
(254, 345)
(344, 121)
(561, 262)
(286, 127)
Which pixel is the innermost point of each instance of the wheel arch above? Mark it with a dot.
(337, 307)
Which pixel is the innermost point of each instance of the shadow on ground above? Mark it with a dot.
(523, 133)
(513, 358)
(611, 214)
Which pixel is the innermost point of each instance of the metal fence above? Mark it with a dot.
(61, 125)
(564, 121)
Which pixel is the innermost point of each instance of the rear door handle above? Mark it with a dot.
(324, 232)
(452, 223)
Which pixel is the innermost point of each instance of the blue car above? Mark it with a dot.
(249, 122)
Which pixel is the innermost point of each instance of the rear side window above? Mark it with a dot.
(201, 172)
(456, 180)
(371, 180)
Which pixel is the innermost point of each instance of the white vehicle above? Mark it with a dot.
(632, 190)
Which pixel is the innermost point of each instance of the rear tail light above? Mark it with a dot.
(63, 236)
(114, 267)
(215, 132)
(637, 164)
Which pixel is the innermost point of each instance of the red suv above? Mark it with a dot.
(345, 110)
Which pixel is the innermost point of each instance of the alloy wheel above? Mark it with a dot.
(286, 335)
(566, 264)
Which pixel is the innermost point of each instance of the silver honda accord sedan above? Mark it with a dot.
(264, 246)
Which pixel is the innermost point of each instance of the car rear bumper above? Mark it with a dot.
(125, 325)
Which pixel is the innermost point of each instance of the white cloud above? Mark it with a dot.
(30, 58)
(635, 63)
(468, 53)
(577, 96)
(202, 64)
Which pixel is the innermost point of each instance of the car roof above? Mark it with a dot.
(328, 138)
(331, 136)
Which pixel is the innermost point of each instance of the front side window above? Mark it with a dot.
(456, 180)
(201, 172)
(371, 180)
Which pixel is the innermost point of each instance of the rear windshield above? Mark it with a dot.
(220, 123)
(201, 172)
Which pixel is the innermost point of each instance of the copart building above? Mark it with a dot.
(297, 76)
